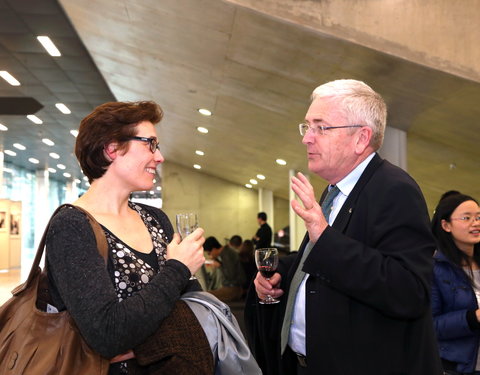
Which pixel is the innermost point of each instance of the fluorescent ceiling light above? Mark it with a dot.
(19, 146)
(54, 155)
(253, 181)
(248, 186)
(52, 170)
(200, 153)
(260, 176)
(33, 160)
(34, 119)
(197, 166)
(61, 166)
(74, 133)
(3, 128)
(49, 46)
(10, 152)
(63, 108)
(48, 142)
(281, 162)
(9, 78)
(77, 181)
(8, 170)
(67, 175)
(205, 112)
(203, 130)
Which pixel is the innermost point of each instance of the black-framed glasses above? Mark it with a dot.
(320, 129)
(152, 142)
(467, 218)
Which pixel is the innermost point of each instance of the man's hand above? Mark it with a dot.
(268, 287)
(311, 212)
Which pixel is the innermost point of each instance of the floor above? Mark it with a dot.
(9, 279)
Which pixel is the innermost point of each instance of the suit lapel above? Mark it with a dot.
(343, 217)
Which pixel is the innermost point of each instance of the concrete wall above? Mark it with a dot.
(223, 208)
(408, 29)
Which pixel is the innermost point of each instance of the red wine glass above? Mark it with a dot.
(267, 263)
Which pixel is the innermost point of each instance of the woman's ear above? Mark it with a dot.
(446, 226)
(110, 151)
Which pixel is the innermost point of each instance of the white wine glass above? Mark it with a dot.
(266, 260)
(186, 224)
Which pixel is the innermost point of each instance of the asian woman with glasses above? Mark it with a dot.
(456, 283)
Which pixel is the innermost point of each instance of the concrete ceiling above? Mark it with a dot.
(253, 71)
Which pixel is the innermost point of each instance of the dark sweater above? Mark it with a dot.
(80, 282)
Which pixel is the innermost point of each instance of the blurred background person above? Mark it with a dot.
(227, 263)
(456, 283)
(247, 260)
(263, 237)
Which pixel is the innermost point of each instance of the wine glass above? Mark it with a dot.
(186, 224)
(267, 263)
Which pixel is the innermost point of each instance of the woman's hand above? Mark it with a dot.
(189, 251)
(268, 287)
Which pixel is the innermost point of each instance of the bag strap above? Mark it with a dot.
(100, 238)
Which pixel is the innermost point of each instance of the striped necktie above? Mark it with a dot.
(327, 206)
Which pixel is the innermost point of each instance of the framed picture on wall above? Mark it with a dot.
(3, 221)
(15, 224)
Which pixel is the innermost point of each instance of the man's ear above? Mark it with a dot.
(110, 151)
(362, 139)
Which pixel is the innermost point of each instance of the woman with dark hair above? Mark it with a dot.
(456, 283)
(116, 308)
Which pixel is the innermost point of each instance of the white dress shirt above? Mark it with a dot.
(296, 339)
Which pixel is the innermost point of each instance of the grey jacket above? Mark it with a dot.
(229, 348)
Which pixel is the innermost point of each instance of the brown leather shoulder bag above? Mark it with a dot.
(34, 342)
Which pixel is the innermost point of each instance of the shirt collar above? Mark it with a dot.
(347, 184)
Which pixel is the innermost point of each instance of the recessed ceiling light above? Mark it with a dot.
(85, 178)
(67, 175)
(203, 130)
(77, 181)
(48, 142)
(49, 46)
(9, 78)
(248, 186)
(74, 133)
(33, 160)
(152, 192)
(54, 155)
(34, 119)
(52, 170)
(253, 181)
(260, 176)
(281, 162)
(3, 128)
(159, 188)
(61, 166)
(197, 166)
(18, 146)
(8, 170)
(205, 112)
(63, 108)
(10, 152)
(200, 153)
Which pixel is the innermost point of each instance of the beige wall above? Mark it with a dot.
(223, 208)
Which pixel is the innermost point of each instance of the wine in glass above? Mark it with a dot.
(186, 224)
(267, 263)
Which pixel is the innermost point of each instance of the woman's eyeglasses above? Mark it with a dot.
(152, 142)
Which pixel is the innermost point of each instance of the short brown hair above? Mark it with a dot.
(110, 122)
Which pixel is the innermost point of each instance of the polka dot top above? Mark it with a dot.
(134, 269)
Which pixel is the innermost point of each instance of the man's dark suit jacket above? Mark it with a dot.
(368, 293)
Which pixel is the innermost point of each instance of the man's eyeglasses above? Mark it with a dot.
(320, 129)
(467, 219)
(152, 142)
